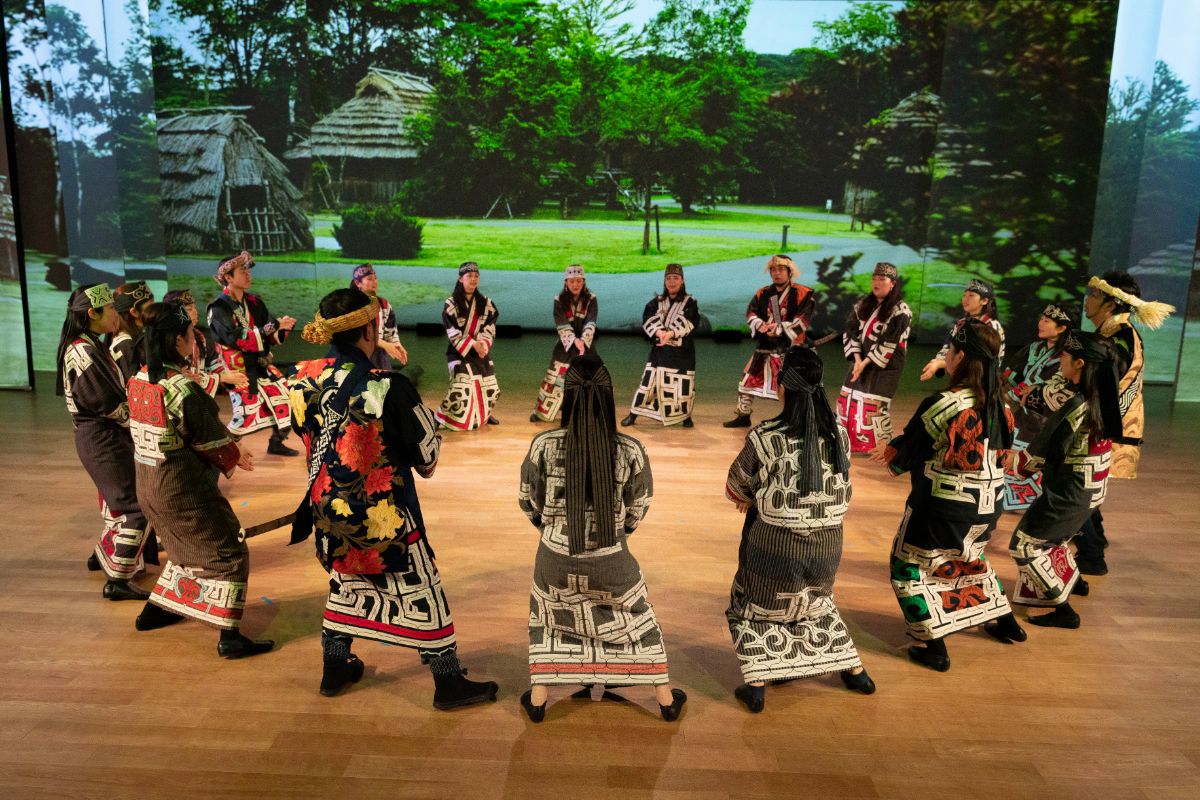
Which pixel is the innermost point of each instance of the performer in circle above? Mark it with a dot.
(202, 365)
(667, 392)
(779, 316)
(586, 488)
(875, 341)
(364, 279)
(470, 321)
(245, 332)
(91, 383)
(792, 480)
(366, 432)
(1073, 453)
(575, 311)
(179, 445)
(953, 448)
(1113, 304)
(1026, 371)
(130, 300)
(978, 302)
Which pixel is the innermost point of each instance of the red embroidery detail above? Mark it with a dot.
(147, 403)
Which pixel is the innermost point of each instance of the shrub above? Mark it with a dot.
(382, 231)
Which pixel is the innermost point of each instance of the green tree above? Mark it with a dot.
(700, 45)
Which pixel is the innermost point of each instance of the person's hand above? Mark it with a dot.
(768, 329)
(742, 506)
(931, 368)
(238, 380)
(1024, 393)
(860, 364)
(287, 323)
(245, 460)
(580, 346)
(1010, 460)
(481, 349)
(879, 454)
(400, 353)
(664, 336)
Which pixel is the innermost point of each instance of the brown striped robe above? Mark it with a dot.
(180, 446)
(781, 612)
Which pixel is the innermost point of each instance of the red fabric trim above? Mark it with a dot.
(397, 630)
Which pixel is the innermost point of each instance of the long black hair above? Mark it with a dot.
(565, 298)
(979, 371)
(162, 324)
(868, 302)
(590, 418)
(807, 416)
(76, 323)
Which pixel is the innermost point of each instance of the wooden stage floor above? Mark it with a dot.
(89, 708)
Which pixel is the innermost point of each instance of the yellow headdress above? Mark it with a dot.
(1150, 313)
(321, 330)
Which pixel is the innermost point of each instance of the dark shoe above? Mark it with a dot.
(927, 658)
(687, 423)
(453, 691)
(533, 417)
(671, 713)
(93, 563)
(1092, 566)
(123, 590)
(536, 713)
(243, 647)
(152, 618)
(755, 697)
(493, 421)
(860, 682)
(1057, 619)
(739, 421)
(1081, 588)
(1007, 631)
(340, 674)
(276, 447)
(630, 419)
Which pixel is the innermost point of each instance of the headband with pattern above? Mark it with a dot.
(981, 288)
(1150, 313)
(468, 267)
(242, 259)
(885, 269)
(129, 299)
(362, 271)
(673, 269)
(96, 297)
(573, 271)
(321, 330)
(1061, 314)
(1087, 346)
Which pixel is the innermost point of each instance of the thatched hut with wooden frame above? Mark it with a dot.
(222, 190)
(365, 145)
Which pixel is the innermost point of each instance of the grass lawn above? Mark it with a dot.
(13, 364)
(549, 250)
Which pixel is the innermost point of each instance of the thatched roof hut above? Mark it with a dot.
(222, 189)
(365, 144)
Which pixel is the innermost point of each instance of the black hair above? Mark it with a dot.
(77, 322)
(982, 377)
(565, 298)
(129, 325)
(160, 329)
(590, 450)
(868, 302)
(1126, 283)
(808, 416)
(340, 302)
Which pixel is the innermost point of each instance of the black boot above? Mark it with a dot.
(630, 419)
(534, 417)
(738, 421)
(491, 420)
(93, 563)
(1062, 616)
(671, 713)
(1081, 588)
(755, 697)
(122, 590)
(1005, 629)
(154, 617)
(455, 691)
(932, 655)
(687, 423)
(341, 666)
(233, 644)
(858, 682)
(1092, 566)
(276, 447)
(536, 713)
(452, 689)
(340, 674)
